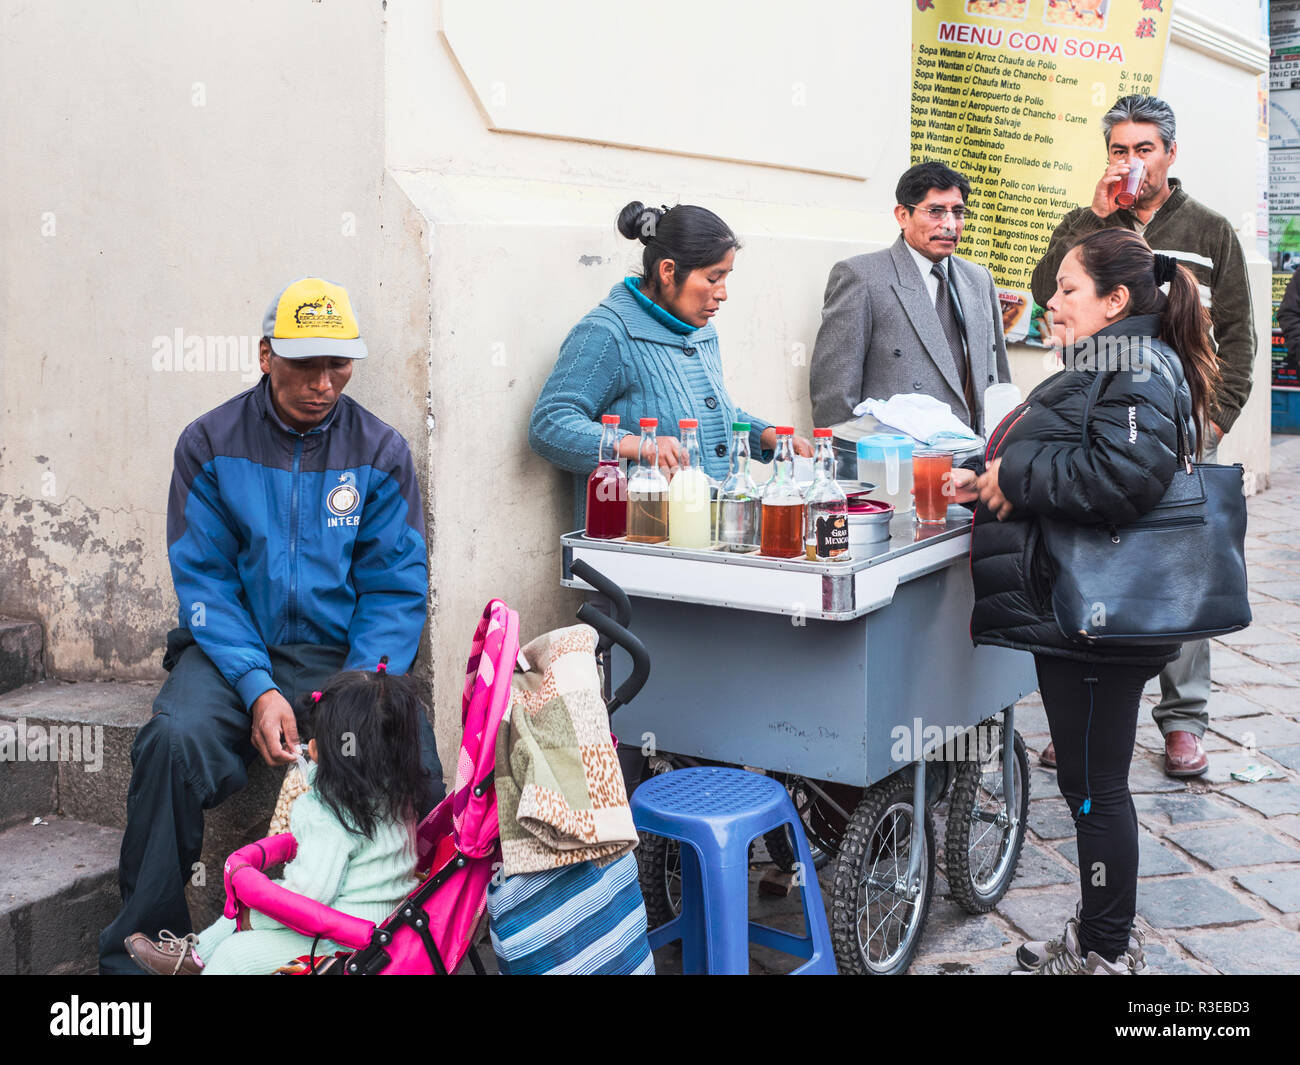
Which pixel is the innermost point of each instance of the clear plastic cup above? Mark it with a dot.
(932, 483)
(1128, 187)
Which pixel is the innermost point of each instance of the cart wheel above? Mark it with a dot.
(981, 849)
(659, 869)
(822, 823)
(876, 923)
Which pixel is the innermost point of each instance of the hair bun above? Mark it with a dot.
(637, 221)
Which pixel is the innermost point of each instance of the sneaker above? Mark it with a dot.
(167, 955)
(1059, 957)
(1030, 956)
(1130, 963)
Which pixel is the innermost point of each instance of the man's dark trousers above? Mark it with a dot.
(191, 756)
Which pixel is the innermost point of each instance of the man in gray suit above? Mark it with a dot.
(913, 318)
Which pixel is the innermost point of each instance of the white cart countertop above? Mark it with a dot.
(829, 591)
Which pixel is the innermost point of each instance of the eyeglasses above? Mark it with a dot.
(938, 214)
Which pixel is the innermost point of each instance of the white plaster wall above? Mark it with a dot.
(194, 160)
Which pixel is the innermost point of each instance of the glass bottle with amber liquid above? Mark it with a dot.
(782, 523)
(647, 491)
(826, 513)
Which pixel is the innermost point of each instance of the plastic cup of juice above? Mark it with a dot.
(932, 483)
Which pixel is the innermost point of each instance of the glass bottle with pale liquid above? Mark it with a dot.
(782, 522)
(738, 500)
(688, 494)
(826, 513)
(647, 491)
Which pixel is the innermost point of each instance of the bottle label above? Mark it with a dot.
(832, 535)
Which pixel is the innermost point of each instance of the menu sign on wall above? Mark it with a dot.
(1011, 93)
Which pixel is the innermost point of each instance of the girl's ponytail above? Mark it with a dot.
(1185, 327)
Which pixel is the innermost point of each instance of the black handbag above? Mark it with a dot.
(1178, 573)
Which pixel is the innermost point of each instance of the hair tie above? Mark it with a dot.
(383, 665)
(315, 697)
(1166, 268)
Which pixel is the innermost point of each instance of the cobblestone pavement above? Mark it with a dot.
(1219, 888)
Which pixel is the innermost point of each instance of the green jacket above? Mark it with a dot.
(1203, 241)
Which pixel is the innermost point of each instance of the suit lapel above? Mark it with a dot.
(978, 341)
(915, 298)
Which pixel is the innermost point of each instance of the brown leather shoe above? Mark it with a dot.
(1184, 755)
(1048, 757)
(165, 956)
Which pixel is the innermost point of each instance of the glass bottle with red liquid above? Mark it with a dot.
(781, 534)
(607, 487)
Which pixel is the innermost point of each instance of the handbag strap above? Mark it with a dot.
(1183, 430)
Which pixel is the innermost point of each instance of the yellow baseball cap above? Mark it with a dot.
(312, 318)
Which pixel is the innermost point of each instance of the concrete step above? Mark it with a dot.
(87, 729)
(22, 647)
(58, 889)
(28, 787)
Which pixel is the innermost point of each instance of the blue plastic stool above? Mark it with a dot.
(715, 813)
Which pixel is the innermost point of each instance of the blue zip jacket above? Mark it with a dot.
(280, 537)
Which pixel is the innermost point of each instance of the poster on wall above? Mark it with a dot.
(1011, 94)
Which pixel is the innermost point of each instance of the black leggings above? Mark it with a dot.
(1092, 710)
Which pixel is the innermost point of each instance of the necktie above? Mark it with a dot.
(953, 331)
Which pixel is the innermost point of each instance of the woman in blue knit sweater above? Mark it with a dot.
(649, 350)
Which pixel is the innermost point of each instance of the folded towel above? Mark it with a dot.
(924, 418)
(560, 792)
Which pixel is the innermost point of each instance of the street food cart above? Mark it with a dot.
(857, 684)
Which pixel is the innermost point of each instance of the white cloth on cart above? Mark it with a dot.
(924, 418)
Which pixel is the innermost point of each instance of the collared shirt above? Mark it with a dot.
(926, 266)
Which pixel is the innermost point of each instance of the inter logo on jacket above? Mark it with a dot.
(342, 500)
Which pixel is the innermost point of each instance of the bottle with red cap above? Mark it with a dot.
(826, 514)
(688, 494)
(781, 535)
(647, 491)
(607, 487)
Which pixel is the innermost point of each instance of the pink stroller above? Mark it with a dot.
(457, 847)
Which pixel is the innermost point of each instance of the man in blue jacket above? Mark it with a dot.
(295, 533)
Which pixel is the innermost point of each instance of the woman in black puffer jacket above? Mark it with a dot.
(1107, 306)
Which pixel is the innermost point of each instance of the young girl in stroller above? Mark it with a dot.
(355, 829)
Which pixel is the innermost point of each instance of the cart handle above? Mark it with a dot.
(622, 607)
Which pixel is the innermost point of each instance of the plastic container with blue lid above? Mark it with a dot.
(885, 459)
